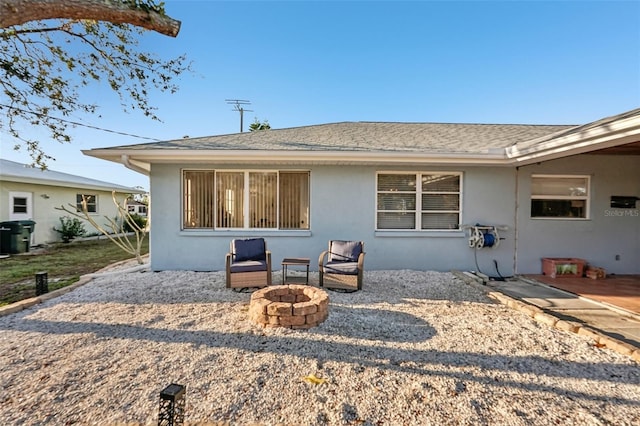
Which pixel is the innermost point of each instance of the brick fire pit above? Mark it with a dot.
(290, 306)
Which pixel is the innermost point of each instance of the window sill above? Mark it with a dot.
(422, 234)
(561, 218)
(236, 233)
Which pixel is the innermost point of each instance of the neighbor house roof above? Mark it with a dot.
(18, 172)
(362, 143)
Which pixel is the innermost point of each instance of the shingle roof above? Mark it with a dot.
(10, 170)
(367, 136)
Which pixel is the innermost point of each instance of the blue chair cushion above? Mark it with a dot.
(345, 268)
(345, 251)
(249, 249)
(249, 266)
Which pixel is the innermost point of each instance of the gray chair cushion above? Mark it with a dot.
(249, 266)
(249, 249)
(345, 251)
(345, 268)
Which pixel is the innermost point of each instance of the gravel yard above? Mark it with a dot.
(412, 348)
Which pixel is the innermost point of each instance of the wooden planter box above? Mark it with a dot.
(556, 267)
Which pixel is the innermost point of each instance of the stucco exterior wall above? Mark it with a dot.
(343, 202)
(45, 200)
(610, 238)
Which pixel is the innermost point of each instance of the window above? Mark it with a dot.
(230, 200)
(90, 200)
(243, 199)
(20, 205)
(555, 196)
(137, 209)
(418, 201)
(197, 199)
(294, 200)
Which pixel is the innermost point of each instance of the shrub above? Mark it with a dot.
(70, 228)
(141, 221)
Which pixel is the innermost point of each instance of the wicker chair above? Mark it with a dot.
(248, 264)
(342, 266)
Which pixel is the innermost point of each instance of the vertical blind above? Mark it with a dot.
(230, 200)
(294, 200)
(198, 199)
(273, 200)
(263, 196)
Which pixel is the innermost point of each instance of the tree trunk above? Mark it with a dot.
(17, 12)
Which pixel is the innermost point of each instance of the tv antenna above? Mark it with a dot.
(238, 105)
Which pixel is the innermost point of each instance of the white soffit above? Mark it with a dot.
(141, 159)
(619, 132)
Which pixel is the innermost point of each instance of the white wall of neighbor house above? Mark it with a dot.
(608, 238)
(342, 206)
(45, 200)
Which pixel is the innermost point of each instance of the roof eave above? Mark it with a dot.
(604, 136)
(63, 184)
(143, 159)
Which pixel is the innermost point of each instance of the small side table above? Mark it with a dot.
(294, 261)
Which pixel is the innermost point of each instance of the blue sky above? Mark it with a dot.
(303, 63)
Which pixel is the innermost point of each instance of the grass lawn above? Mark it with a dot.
(64, 263)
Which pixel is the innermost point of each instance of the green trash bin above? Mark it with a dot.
(15, 236)
(28, 226)
(5, 238)
(11, 238)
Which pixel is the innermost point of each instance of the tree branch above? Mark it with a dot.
(117, 232)
(17, 12)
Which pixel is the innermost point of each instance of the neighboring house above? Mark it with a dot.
(28, 193)
(406, 189)
(137, 208)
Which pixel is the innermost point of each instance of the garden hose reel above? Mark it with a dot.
(484, 236)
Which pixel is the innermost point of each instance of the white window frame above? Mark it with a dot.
(586, 198)
(79, 204)
(28, 214)
(419, 193)
(246, 199)
(15, 204)
(247, 196)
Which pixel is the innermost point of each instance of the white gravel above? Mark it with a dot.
(412, 348)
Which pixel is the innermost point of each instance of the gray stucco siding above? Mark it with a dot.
(342, 206)
(607, 233)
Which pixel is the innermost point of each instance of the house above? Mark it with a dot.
(28, 193)
(410, 191)
(137, 208)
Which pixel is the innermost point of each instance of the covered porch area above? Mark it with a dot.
(619, 291)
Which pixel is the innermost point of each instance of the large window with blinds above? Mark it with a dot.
(418, 201)
(245, 199)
